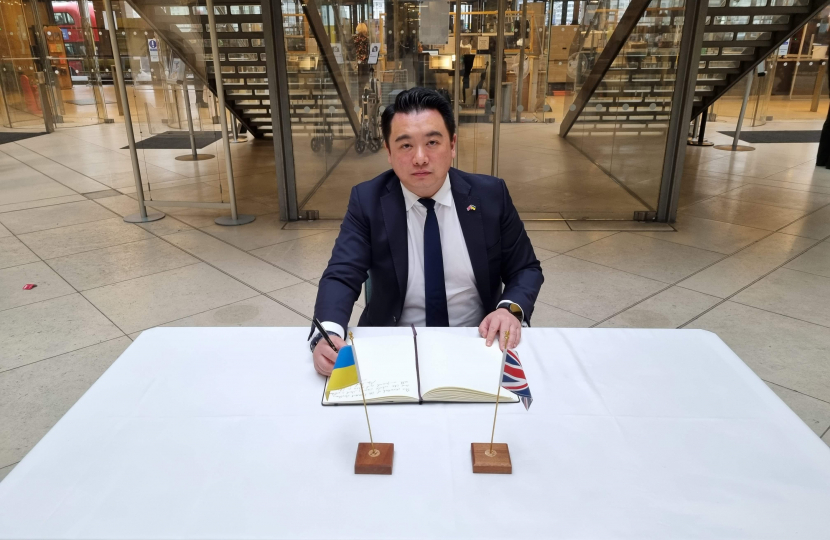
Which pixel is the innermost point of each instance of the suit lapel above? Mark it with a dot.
(473, 228)
(394, 217)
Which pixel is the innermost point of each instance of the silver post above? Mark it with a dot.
(189, 115)
(235, 130)
(798, 59)
(193, 155)
(48, 120)
(234, 218)
(142, 216)
(521, 73)
(91, 57)
(743, 110)
(456, 84)
(494, 160)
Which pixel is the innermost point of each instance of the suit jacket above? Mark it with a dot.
(373, 243)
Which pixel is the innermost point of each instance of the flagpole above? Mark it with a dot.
(491, 452)
(374, 452)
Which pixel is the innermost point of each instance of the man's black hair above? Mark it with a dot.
(415, 100)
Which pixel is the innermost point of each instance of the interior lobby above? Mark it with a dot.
(746, 256)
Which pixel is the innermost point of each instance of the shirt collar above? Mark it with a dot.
(442, 196)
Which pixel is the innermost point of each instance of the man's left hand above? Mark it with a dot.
(499, 322)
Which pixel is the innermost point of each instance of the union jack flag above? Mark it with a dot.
(513, 378)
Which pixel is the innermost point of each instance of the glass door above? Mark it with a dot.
(479, 36)
(76, 41)
(21, 102)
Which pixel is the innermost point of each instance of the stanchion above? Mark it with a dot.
(235, 131)
(700, 141)
(735, 147)
(234, 218)
(193, 155)
(142, 216)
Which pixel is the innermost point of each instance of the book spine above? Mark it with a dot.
(417, 367)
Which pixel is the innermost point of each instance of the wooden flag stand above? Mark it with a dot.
(372, 458)
(493, 458)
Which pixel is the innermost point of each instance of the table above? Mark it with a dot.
(219, 433)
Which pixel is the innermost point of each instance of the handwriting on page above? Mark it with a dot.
(372, 389)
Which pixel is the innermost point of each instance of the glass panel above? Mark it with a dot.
(527, 128)
(246, 10)
(771, 19)
(753, 36)
(738, 50)
(734, 19)
(477, 31)
(724, 64)
(223, 27)
(166, 83)
(415, 48)
(718, 36)
(623, 127)
(19, 91)
(728, 106)
(62, 42)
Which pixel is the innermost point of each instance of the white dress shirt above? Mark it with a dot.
(464, 305)
(463, 301)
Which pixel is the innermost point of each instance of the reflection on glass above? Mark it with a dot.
(623, 126)
(19, 63)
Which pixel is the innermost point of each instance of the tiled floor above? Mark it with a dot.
(748, 260)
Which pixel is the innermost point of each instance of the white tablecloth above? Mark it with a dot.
(219, 433)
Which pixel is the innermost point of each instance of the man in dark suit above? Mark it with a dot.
(436, 243)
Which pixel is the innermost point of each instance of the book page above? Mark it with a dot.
(450, 361)
(387, 367)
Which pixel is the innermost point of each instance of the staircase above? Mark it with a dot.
(314, 104)
(631, 81)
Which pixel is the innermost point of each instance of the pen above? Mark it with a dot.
(324, 333)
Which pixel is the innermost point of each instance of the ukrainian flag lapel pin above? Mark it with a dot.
(471, 208)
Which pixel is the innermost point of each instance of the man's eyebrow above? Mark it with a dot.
(402, 137)
(435, 134)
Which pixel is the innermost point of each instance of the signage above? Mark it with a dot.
(374, 50)
(338, 52)
(153, 45)
(483, 43)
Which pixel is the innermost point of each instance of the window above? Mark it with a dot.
(62, 18)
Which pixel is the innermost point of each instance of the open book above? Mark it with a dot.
(429, 366)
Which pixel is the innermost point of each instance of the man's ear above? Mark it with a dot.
(388, 153)
(454, 144)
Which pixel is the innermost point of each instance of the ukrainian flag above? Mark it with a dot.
(344, 373)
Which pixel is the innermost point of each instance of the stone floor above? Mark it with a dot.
(749, 258)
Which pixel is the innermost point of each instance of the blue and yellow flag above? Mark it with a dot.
(344, 373)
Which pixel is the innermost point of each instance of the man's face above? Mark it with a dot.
(420, 151)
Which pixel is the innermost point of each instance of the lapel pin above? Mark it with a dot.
(471, 208)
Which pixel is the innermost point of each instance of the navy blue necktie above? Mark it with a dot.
(435, 293)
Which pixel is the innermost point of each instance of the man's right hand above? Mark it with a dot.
(324, 356)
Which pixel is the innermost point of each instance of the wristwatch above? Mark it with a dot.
(313, 343)
(515, 309)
